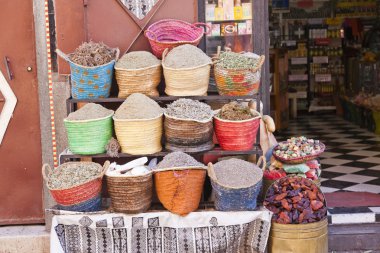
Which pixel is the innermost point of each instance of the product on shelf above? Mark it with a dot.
(177, 160)
(236, 183)
(186, 56)
(90, 111)
(138, 106)
(113, 148)
(184, 108)
(295, 200)
(231, 60)
(91, 54)
(236, 111)
(137, 60)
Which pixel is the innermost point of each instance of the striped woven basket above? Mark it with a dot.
(88, 137)
(233, 198)
(81, 197)
(170, 33)
(139, 136)
(90, 82)
(144, 80)
(186, 81)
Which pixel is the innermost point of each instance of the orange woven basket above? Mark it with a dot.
(180, 189)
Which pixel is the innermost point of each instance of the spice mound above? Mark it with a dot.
(138, 106)
(137, 60)
(235, 111)
(73, 174)
(186, 56)
(295, 200)
(91, 54)
(237, 173)
(178, 159)
(189, 109)
(298, 147)
(90, 111)
(231, 60)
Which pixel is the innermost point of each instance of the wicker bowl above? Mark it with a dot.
(298, 160)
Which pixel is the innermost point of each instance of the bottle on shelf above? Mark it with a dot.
(238, 10)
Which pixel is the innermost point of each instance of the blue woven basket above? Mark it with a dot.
(90, 82)
(92, 205)
(234, 199)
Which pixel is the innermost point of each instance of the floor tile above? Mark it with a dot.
(329, 174)
(364, 153)
(354, 178)
(346, 140)
(333, 161)
(340, 150)
(349, 157)
(375, 181)
(342, 210)
(377, 167)
(337, 184)
(328, 189)
(376, 148)
(355, 146)
(370, 160)
(356, 218)
(375, 209)
(370, 142)
(334, 135)
(363, 188)
(368, 172)
(343, 169)
(358, 164)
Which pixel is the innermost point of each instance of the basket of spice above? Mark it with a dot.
(238, 74)
(188, 126)
(298, 150)
(236, 184)
(236, 126)
(89, 129)
(299, 214)
(130, 186)
(170, 33)
(179, 180)
(139, 125)
(186, 71)
(138, 72)
(76, 186)
(91, 67)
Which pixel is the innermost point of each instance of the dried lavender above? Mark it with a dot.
(189, 109)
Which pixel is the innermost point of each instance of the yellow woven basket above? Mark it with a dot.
(139, 136)
(187, 81)
(144, 80)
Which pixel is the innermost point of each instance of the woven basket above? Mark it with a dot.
(88, 137)
(144, 80)
(188, 135)
(92, 205)
(186, 81)
(130, 194)
(170, 33)
(235, 199)
(232, 82)
(90, 82)
(298, 160)
(236, 135)
(81, 196)
(139, 136)
(180, 189)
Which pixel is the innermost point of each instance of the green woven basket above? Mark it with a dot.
(89, 137)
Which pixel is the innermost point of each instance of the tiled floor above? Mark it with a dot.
(352, 158)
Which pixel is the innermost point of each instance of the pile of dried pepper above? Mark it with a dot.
(295, 200)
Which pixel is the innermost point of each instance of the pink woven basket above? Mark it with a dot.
(170, 33)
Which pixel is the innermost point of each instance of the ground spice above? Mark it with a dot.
(72, 174)
(137, 60)
(295, 200)
(186, 56)
(90, 111)
(91, 54)
(231, 60)
(235, 111)
(237, 173)
(178, 159)
(185, 108)
(138, 106)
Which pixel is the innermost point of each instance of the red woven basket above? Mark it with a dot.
(170, 33)
(78, 193)
(236, 135)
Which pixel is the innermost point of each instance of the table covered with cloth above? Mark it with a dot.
(161, 232)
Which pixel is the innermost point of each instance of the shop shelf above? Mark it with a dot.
(67, 155)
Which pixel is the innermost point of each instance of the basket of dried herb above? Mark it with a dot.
(188, 126)
(91, 67)
(76, 186)
(238, 74)
(236, 126)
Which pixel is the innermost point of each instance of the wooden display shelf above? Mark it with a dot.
(67, 155)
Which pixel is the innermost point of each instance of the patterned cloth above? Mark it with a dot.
(162, 232)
